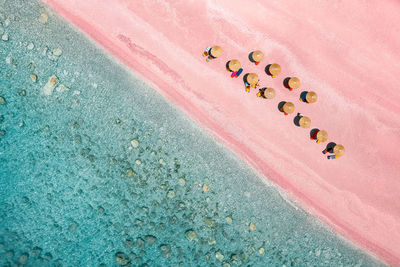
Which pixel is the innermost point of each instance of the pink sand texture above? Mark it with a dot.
(346, 51)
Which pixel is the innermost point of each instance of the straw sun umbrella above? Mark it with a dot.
(216, 51)
(294, 83)
(234, 65)
(257, 56)
(305, 122)
(322, 136)
(288, 108)
(269, 93)
(311, 97)
(274, 70)
(252, 78)
(338, 150)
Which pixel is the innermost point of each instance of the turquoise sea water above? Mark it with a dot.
(102, 171)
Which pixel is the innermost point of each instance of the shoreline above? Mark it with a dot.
(351, 212)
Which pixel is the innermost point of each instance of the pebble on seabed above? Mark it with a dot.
(182, 181)
(57, 52)
(33, 77)
(171, 194)
(130, 172)
(261, 250)
(62, 88)
(252, 227)
(228, 219)
(2, 101)
(134, 143)
(206, 188)
(4, 37)
(122, 258)
(49, 86)
(23, 258)
(219, 256)
(30, 46)
(43, 18)
(210, 222)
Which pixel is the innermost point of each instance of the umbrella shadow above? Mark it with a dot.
(251, 57)
(267, 70)
(227, 66)
(286, 82)
(330, 146)
(280, 105)
(245, 78)
(296, 120)
(313, 131)
(303, 96)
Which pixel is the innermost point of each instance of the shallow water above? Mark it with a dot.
(75, 191)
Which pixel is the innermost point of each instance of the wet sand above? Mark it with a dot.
(351, 60)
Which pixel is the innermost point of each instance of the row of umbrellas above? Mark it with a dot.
(273, 70)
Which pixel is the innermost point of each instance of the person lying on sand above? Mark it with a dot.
(251, 80)
(319, 135)
(337, 150)
(234, 66)
(308, 97)
(265, 92)
(212, 52)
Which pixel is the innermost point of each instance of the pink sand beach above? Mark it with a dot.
(346, 51)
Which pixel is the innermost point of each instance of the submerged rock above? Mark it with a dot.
(48, 256)
(43, 18)
(171, 194)
(210, 222)
(122, 258)
(2, 100)
(191, 235)
(206, 188)
(21, 92)
(57, 52)
(36, 251)
(10, 254)
(134, 143)
(30, 46)
(23, 258)
(182, 181)
(165, 250)
(72, 227)
(212, 241)
(140, 243)
(252, 227)
(62, 88)
(219, 256)
(4, 37)
(33, 77)
(150, 239)
(129, 243)
(49, 86)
